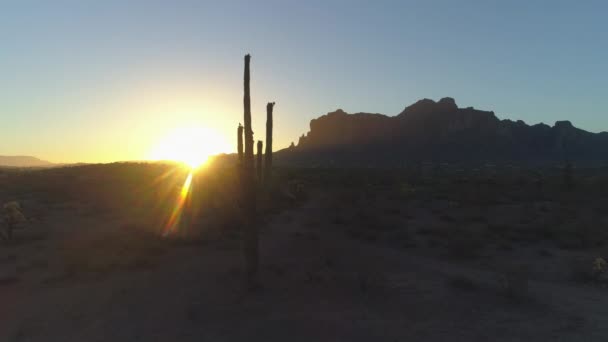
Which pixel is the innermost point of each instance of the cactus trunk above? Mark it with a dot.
(259, 166)
(268, 154)
(240, 143)
(248, 184)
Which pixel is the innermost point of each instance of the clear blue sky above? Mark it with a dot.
(101, 81)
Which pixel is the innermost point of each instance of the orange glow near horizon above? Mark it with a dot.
(176, 215)
(191, 145)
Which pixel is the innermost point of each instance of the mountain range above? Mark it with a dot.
(23, 161)
(429, 131)
(426, 131)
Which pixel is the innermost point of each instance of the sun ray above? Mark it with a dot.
(177, 212)
(191, 145)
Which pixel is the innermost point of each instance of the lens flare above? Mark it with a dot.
(191, 145)
(176, 215)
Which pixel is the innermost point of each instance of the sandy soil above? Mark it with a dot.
(317, 284)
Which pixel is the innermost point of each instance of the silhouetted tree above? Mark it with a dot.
(259, 167)
(268, 155)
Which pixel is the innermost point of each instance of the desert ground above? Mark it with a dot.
(425, 253)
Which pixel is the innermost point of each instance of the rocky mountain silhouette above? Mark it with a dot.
(440, 131)
(23, 161)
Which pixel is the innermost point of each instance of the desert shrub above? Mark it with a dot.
(599, 267)
(498, 229)
(568, 178)
(447, 218)
(401, 238)
(11, 217)
(477, 218)
(514, 281)
(371, 281)
(505, 245)
(462, 244)
(545, 230)
(363, 233)
(8, 276)
(588, 270)
(297, 190)
(461, 282)
(438, 230)
(591, 234)
(393, 210)
(568, 242)
(338, 219)
(579, 236)
(433, 243)
(424, 231)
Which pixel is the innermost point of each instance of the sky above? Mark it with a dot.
(102, 81)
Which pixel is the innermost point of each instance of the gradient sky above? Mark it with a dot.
(100, 81)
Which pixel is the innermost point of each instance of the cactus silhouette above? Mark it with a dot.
(240, 143)
(268, 154)
(248, 176)
(248, 183)
(259, 166)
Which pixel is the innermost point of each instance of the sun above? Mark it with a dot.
(191, 145)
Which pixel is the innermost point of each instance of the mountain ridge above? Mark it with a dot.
(23, 161)
(441, 131)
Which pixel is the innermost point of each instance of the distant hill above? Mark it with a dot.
(23, 161)
(440, 132)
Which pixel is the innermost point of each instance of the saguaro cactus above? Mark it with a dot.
(248, 161)
(259, 166)
(240, 143)
(248, 183)
(268, 154)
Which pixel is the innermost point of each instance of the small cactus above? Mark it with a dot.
(12, 216)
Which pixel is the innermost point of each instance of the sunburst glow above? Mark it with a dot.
(176, 214)
(192, 145)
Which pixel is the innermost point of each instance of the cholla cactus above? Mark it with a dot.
(11, 215)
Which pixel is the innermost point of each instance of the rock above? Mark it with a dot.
(442, 132)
